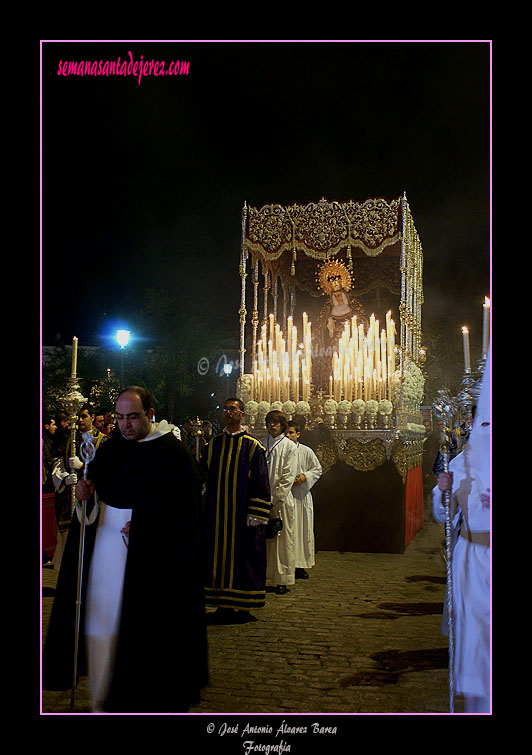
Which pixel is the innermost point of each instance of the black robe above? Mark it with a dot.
(235, 554)
(161, 659)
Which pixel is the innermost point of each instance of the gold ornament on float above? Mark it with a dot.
(333, 276)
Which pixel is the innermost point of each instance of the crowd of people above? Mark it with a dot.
(211, 518)
(215, 520)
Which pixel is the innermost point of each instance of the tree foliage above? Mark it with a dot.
(181, 331)
(174, 334)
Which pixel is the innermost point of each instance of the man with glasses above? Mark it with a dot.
(237, 507)
(143, 610)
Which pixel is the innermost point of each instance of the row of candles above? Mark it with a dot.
(485, 336)
(282, 368)
(365, 362)
(362, 364)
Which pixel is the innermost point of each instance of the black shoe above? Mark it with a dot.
(301, 574)
(281, 590)
(230, 616)
(243, 617)
(221, 616)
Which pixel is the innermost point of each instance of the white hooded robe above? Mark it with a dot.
(281, 457)
(471, 554)
(308, 463)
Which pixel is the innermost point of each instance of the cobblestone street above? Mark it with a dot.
(362, 635)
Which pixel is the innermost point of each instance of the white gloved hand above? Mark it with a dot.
(252, 521)
(70, 479)
(75, 463)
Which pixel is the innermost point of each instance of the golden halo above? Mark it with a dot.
(333, 275)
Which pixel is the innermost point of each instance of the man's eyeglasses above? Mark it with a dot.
(231, 409)
(132, 417)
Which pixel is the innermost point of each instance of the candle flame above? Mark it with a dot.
(486, 301)
(465, 330)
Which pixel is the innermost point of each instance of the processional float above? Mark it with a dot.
(310, 348)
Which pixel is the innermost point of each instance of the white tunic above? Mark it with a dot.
(308, 463)
(104, 600)
(471, 580)
(281, 456)
(104, 589)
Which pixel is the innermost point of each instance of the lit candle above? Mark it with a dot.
(371, 335)
(74, 356)
(467, 358)
(391, 342)
(384, 360)
(309, 359)
(294, 349)
(486, 327)
(268, 386)
(263, 339)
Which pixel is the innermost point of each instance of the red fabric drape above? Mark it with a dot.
(414, 509)
(49, 528)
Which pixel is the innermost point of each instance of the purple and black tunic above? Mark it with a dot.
(235, 552)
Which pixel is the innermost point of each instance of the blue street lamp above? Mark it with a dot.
(228, 369)
(122, 336)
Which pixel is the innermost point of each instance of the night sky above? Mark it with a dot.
(143, 185)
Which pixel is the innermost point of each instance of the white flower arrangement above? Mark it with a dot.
(277, 406)
(413, 385)
(344, 407)
(372, 406)
(289, 408)
(251, 408)
(263, 407)
(415, 428)
(358, 406)
(244, 384)
(330, 406)
(303, 407)
(385, 406)
(396, 387)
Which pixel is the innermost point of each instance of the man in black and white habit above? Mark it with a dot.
(309, 472)
(142, 638)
